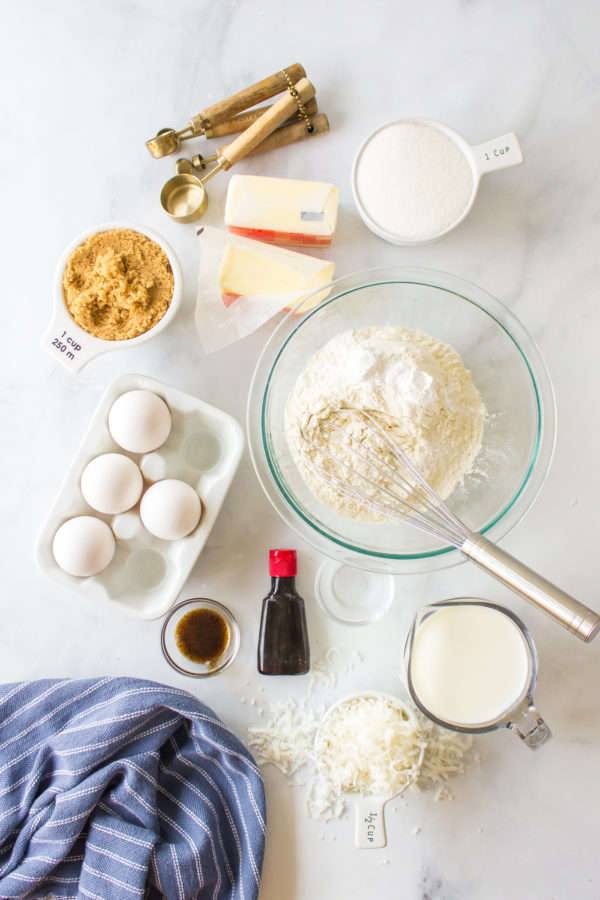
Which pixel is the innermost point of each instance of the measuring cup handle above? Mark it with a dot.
(249, 96)
(268, 122)
(500, 153)
(369, 832)
(68, 344)
(530, 727)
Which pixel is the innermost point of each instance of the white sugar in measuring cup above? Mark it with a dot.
(471, 666)
(499, 153)
(71, 345)
(369, 829)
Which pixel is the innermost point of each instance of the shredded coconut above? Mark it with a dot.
(366, 745)
(415, 387)
(406, 751)
(413, 180)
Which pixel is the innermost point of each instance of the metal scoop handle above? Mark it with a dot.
(556, 603)
(268, 122)
(244, 99)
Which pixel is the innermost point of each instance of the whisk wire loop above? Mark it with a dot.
(416, 503)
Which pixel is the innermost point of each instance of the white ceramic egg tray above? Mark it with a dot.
(146, 574)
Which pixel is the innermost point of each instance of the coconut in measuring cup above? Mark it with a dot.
(471, 666)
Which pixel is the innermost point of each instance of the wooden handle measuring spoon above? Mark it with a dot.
(241, 122)
(274, 116)
(281, 137)
(250, 96)
(168, 140)
(184, 198)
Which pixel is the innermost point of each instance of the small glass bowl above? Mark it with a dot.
(353, 596)
(173, 654)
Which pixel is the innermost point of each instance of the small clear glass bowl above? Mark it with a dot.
(506, 367)
(353, 596)
(173, 654)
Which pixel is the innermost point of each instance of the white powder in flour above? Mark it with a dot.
(413, 385)
(413, 180)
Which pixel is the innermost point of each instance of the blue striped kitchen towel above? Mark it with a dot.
(118, 788)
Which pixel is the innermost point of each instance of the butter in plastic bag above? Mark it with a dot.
(243, 283)
(282, 210)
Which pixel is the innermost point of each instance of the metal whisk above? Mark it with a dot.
(393, 487)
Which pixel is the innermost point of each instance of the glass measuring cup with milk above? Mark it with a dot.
(471, 666)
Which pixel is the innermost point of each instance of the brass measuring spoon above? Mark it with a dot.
(184, 198)
(187, 196)
(212, 120)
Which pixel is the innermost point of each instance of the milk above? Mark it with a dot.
(470, 664)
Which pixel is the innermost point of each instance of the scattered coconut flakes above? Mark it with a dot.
(286, 740)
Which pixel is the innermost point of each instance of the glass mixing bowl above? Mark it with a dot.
(505, 365)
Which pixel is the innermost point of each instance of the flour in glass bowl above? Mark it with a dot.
(414, 386)
(413, 181)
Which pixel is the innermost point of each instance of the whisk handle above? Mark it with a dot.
(560, 606)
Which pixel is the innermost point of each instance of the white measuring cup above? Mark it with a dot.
(519, 715)
(502, 152)
(369, 828)
(71, 345)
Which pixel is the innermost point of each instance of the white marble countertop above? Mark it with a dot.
(84, 86)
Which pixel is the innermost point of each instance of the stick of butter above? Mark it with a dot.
(243, 283)
(249, 269)
(282, 210)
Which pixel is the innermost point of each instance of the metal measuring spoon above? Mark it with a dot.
(369, 828)
(217, 121)
(184, 198)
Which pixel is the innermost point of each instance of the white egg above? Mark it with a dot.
(112, 483)
(83, 546)
(139, 421)
(170, 509)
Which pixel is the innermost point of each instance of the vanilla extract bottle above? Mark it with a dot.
(283, 639)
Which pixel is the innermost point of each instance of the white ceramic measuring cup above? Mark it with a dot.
(520, 715)
(73, 347)
(499, 153)
(369, 828)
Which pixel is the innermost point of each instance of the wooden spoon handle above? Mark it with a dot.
(289, 134)
(246, 98)
(241, 122)
(277, 114)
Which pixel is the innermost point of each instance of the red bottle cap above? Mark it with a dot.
(282, 563)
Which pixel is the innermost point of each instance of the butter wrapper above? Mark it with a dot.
(282, 210)
(242, 283)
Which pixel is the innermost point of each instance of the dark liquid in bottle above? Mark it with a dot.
(202, 635)
(283, 640)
